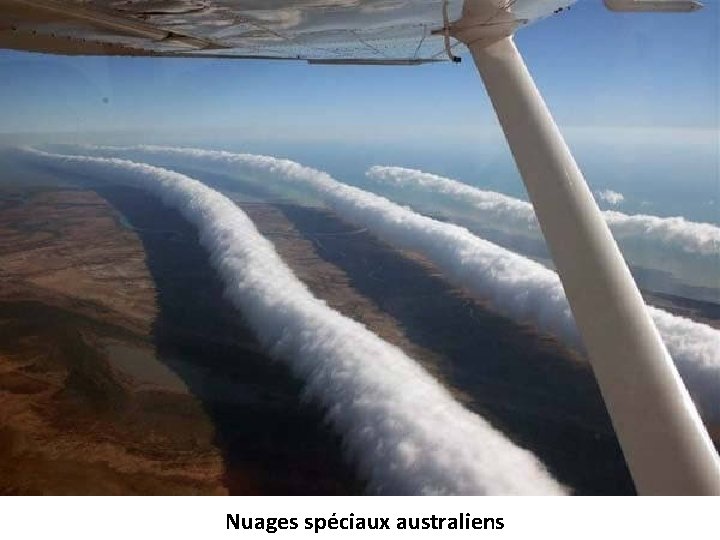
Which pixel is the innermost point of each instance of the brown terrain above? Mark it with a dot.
(124, 370)
(75, 288)
(101, 387)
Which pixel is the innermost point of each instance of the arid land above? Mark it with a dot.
(124, 370)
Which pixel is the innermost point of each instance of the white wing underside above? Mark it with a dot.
(342, 31)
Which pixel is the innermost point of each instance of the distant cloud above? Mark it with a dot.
(514, 215)
(610, 196)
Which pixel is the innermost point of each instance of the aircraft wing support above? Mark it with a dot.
(665, 443)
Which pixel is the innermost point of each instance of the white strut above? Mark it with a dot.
(665, 444)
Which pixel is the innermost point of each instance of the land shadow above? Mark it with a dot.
(272, 440)
(525, 384)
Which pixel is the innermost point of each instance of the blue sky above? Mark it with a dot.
(595, 68)
(636, 95)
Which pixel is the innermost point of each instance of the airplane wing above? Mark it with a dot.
(320, 31)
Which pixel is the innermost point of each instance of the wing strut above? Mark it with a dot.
(666, 446)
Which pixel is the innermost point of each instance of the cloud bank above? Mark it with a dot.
(515, 285)
(399, 425)
(515, 215)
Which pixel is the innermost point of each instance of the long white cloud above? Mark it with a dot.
(404, 430)
(513, 214)
(515, 285)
